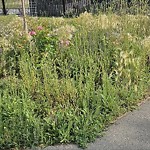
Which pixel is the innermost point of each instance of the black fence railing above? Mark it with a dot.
(58, 7)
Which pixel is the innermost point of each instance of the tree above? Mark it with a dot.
(4, 8)
(24, 17)
(64, 5)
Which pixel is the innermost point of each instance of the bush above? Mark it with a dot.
(69, 78)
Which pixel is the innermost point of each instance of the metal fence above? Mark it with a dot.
(45, 7)
(64, 7)
(56, 7)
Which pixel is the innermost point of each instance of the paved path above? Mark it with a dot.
(16, 11)
(131, 132)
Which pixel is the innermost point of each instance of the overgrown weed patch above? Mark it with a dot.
(70, 77)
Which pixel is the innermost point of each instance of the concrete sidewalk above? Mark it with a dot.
(131, 132)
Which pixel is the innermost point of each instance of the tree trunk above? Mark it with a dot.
(64, 5)
(4, 8)
(24, 17)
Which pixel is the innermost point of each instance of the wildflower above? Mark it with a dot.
(39, 27)
(70, 36)
(61, 42)
(65, 32)
(32, 33)
(65, 42)
(146, 42)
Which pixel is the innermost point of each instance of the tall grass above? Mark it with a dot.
(54, 93)
(122, 6)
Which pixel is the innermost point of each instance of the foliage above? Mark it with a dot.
(69, 78)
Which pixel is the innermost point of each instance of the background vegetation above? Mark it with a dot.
(14, 3)
(69, 78)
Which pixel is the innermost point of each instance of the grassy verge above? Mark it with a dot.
(5, 20)
(14, 4)
(69, 78)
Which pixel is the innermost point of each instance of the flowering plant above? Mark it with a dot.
(65, 35)
(45, 43)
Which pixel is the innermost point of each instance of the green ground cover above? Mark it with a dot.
(68, 79)
(5, 20)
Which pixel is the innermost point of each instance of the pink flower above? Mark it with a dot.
(32, 33)
(67, 42)
(39, 27)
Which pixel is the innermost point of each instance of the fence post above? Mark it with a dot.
(24, 17)
(4, 8)
(64, 5)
